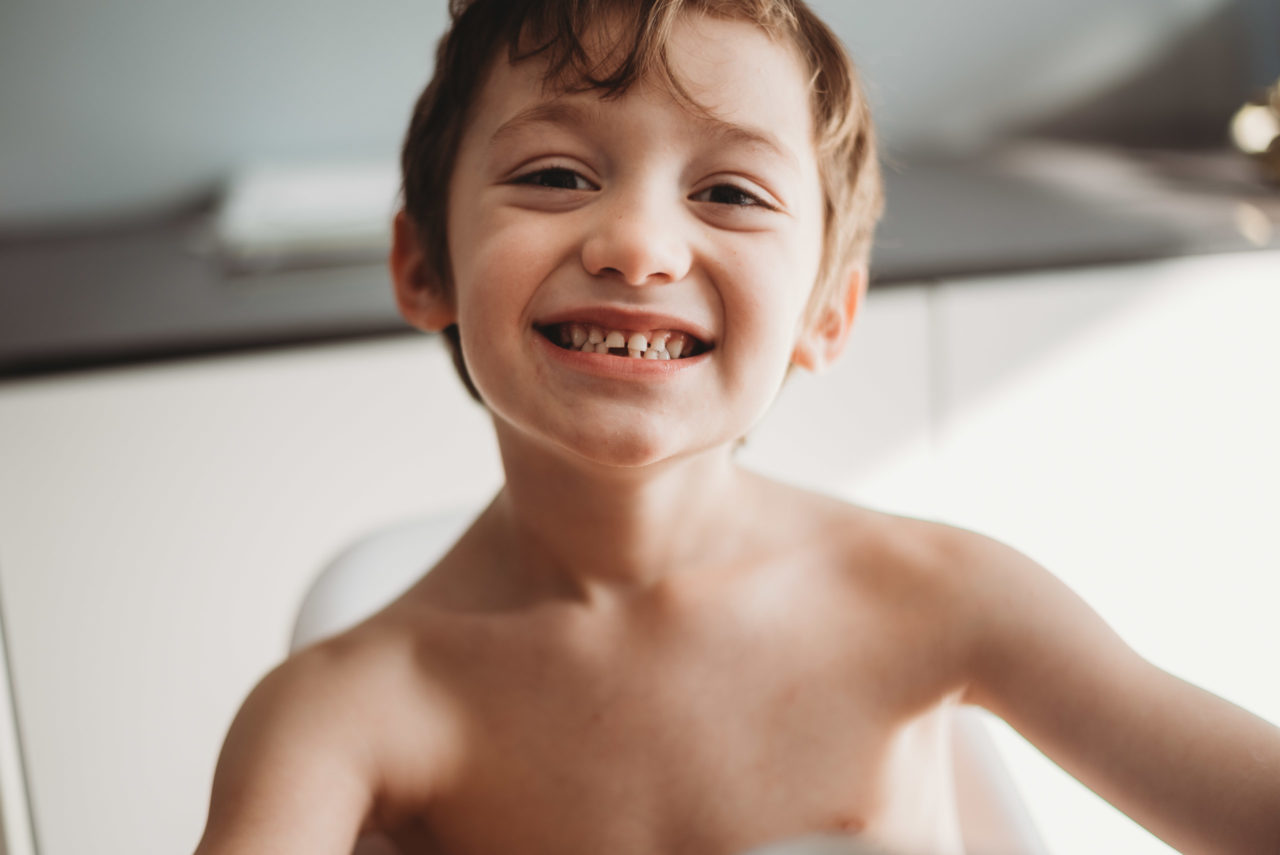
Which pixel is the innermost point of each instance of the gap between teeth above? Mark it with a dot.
(655, 344)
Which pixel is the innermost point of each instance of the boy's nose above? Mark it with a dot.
(640, 244)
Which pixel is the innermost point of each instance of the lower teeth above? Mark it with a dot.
(651, 353)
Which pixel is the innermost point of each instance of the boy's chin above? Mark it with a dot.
(626, 449)
(633, 447)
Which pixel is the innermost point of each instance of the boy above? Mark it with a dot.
(631, 218)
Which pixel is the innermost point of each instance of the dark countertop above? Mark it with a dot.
(147, 290)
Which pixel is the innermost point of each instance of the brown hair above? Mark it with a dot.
(556, 31)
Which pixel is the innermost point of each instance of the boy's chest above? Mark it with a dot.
(689, 747)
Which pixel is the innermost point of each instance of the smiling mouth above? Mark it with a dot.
(631, 344)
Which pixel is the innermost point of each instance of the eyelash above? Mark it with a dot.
(535, 179)
(532, 178)
(754, 201)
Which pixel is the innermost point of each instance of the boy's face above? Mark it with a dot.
(638, 214)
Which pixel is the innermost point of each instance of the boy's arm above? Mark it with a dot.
(1195, 770)
(295, 774)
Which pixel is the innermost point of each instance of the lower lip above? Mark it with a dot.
(624, 367)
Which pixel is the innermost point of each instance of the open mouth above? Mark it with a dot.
(632, 344)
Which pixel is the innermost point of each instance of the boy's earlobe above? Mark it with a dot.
(823, 339)
(421, 296)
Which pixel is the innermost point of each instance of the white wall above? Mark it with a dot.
(1120, 425)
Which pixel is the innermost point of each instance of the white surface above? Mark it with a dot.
(15, 816)
(1120, 426)
(288, 209)
(158, 528)
(371, 572)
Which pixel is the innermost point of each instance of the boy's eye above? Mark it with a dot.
(728, 194)
(557, 178)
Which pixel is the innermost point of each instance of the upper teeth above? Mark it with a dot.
(654, 344)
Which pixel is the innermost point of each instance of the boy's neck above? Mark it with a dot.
(593, 532)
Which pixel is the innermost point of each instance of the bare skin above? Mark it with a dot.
(772, 692)
(704, 713)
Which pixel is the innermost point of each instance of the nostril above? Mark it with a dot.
(639, 278)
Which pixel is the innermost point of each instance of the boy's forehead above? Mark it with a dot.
(742, 87)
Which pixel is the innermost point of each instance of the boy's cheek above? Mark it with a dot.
(528, 246)
(495, 278)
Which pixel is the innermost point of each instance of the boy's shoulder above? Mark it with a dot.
(913, 566)
(917, 551)
(372, 678)
(983, 600)
(320, 748)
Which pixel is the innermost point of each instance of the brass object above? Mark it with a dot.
(1255, 130)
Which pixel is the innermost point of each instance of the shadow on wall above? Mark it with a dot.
(1183, 96)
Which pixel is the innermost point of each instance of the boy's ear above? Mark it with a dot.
(823, 338)
(422, 297)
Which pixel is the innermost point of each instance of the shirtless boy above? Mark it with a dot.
(639, 647)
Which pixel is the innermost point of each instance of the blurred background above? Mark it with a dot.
(205, 389)
(117, 109)
(166, 151)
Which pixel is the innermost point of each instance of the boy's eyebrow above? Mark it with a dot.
(548, 112)
(727, 133)
(574, 115)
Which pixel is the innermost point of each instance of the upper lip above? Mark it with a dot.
(614, 318)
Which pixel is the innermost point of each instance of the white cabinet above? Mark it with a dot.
(1122, 427)
(158, 527)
